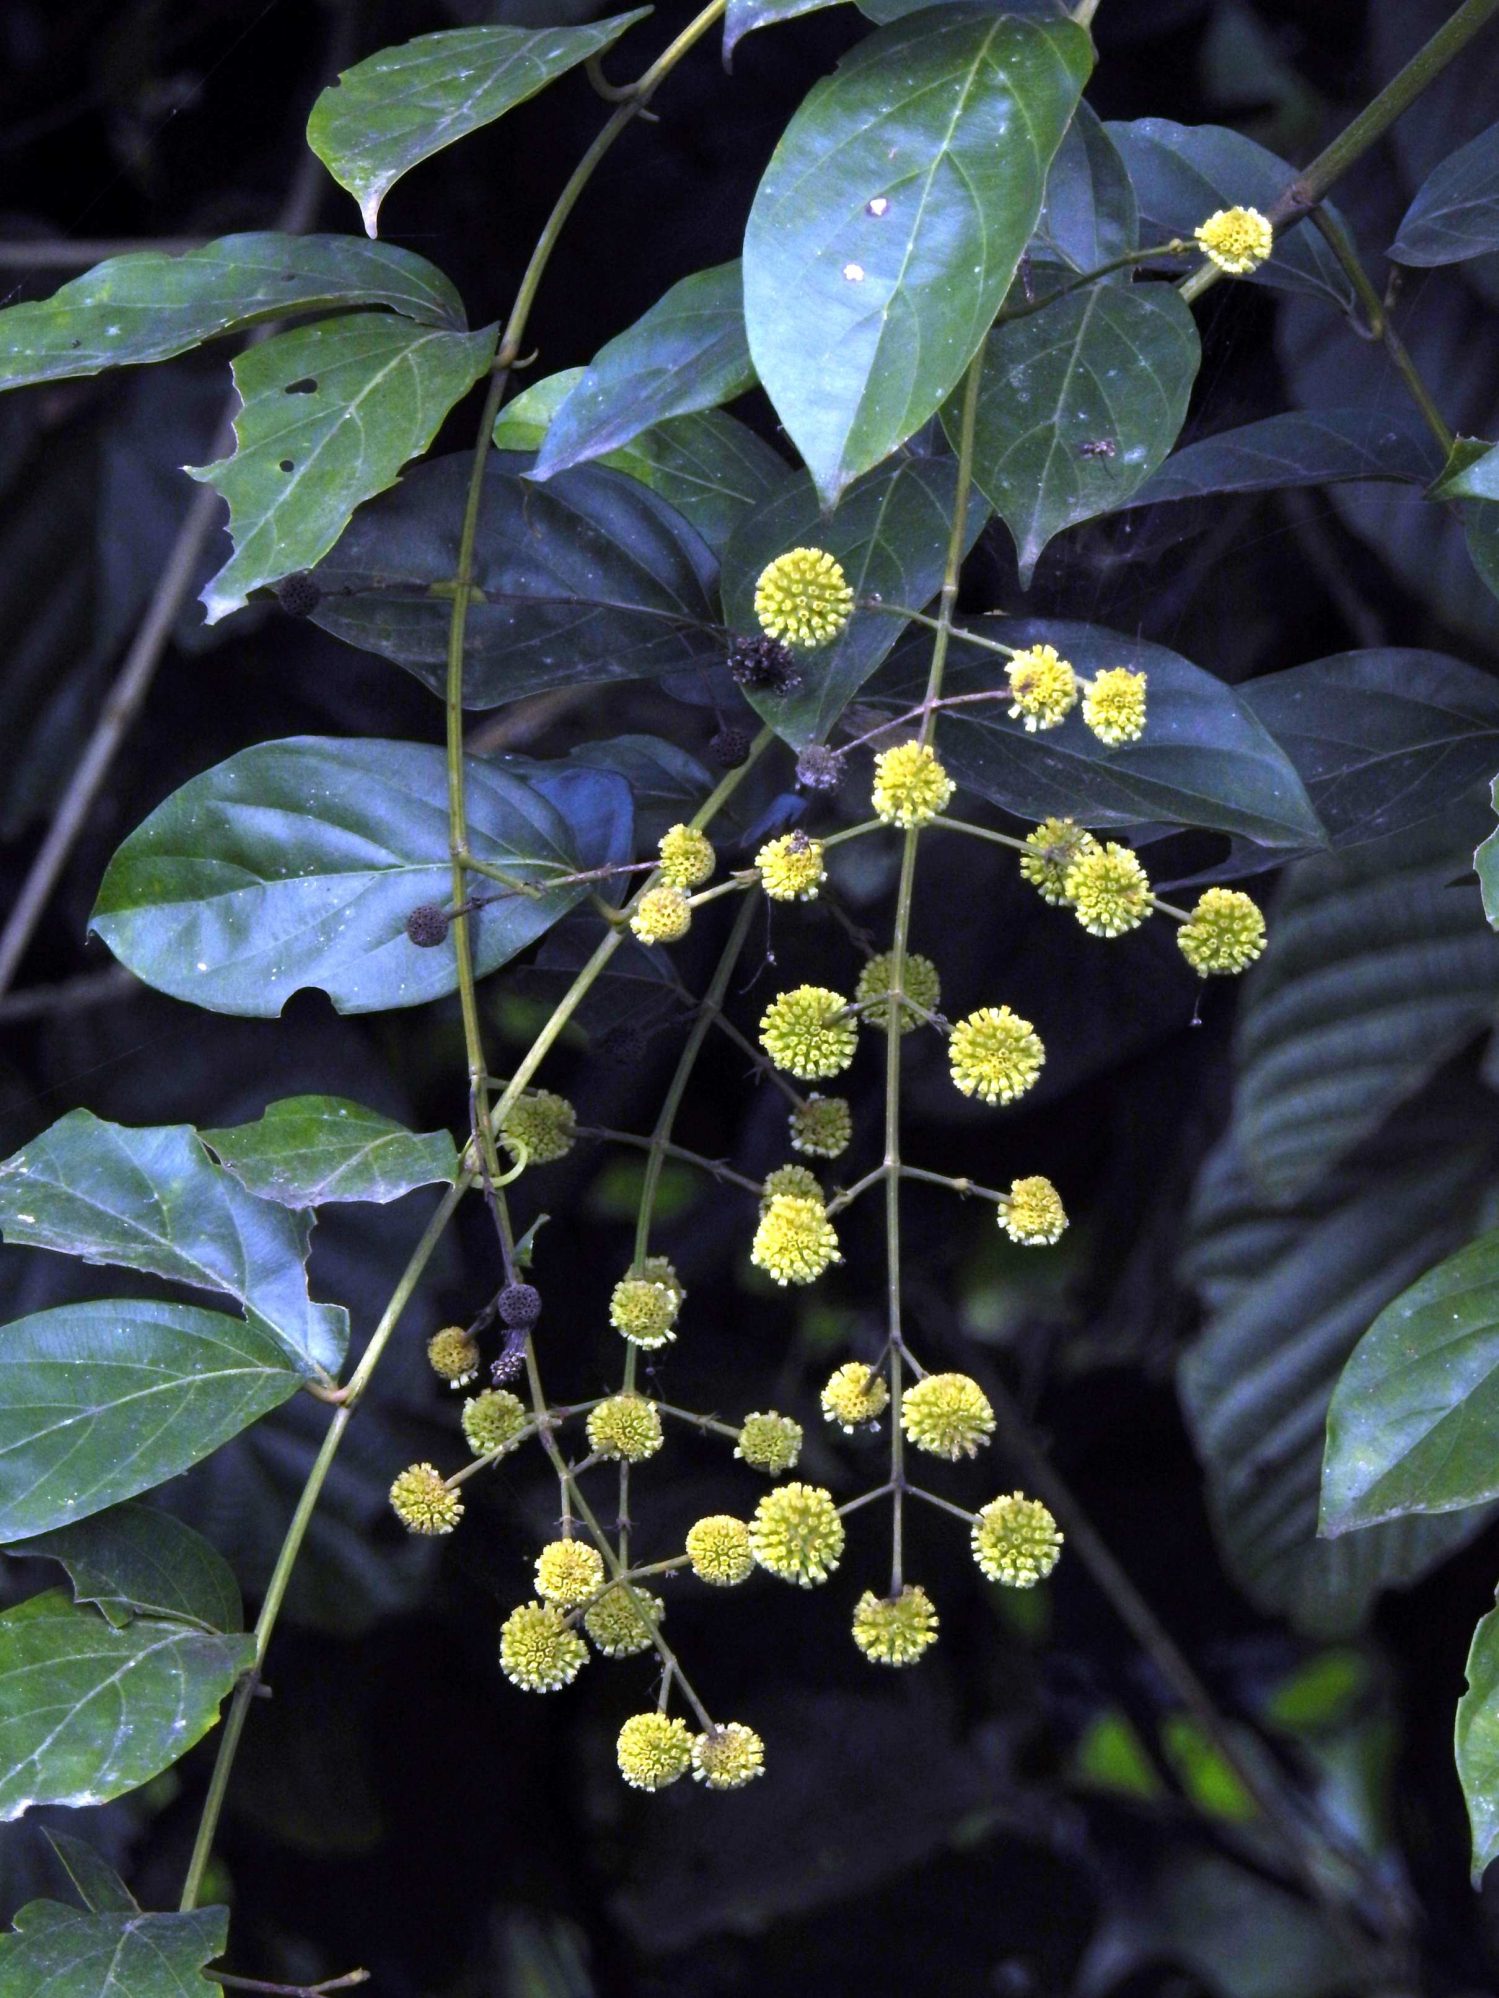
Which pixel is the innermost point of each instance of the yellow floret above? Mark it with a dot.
(616, 1623)
(728, 1757)
(1114, 706)
(803, 597)
(662, 915)
(809, 1032)
(797, 1534)
(1109, 890)
(948, 1415)
(1050, 852)
(994, 1054)
(653, 1750)
(538, 1652)
(1016, 1541)
(493, 1420)
(423, 1503)
(1032, 1212)
(644, 1311)
(719, 1549)
(791, 867)
(687, 857)
(895, 1630)
(543, 1123)
(1043, 687)
(855, 1395)
(795, 1241)
(821, 1127)
(920, 983)
(910, 785)
(625, 1429)
(1224, 933)
(769, 1442)
(453, 1355)
(1237, 240)
(568, 1572)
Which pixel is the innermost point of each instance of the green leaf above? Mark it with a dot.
(151, 1199)
(710, 467)
(1383, 738)
(1288, 1295)
(1412, 1423)
(742, 17)
(1378, 972)
(148, 306)
(101, 1401)
(1204, 759)
(1322, 447)
(890, 531)
(297, 863)
(890, 221)
(589, 578)
(404, 104)
(1456, 213)
(1481, 533)
(136, 1560)
(688, 353)
(308, 1149)
(100, 1888)
(330, 415)
(88, 1712)
(54, 1950)
(666, 783)
(1477, 1742)
(1471, 472)
(1108, 366)
(1089, 215)
(1185, 173)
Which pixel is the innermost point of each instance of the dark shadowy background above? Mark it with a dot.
(1029, 1813)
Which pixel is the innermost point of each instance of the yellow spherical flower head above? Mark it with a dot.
(644, 1311)
(1043, 687)
(919, 983)
(791, 867)
(1236, 239)
(1224, 933)
(626, 1429)
(662, 916)
(719, 1549)
(568, 1572)
(948, 1415)
(538, 1652)
(790, 1179)
(544, 1123)
(910, 785)
(769, 1442)
(687, 857)
(1051, 850)
(615, 1622)
(423, 1503)
(995, 1054)
(653, 1750)
(453, 1355)
(1109, 890)
(895, 1630)
(493, 1420)
(1016, 1541)
(797, 1534)
(856, 1394)
(1032, 1213)
(803, 598)
(809, 1032)
(1114, 706)
(658, 1269)
(728, 1757)
(821, 1127)
(795, 1240)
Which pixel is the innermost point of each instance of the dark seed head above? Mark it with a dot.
(427, 924)
(819, 768)
(625, 1046)
(298, 595)
(763, 666)
(512, 1359)
(729, 747)
(519, 1305)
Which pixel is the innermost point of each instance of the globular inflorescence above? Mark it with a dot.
(795, 1241)
(453, 1355)
(1109, 890)
(803, 598)
(1114, 706)
(493, 1421)
(626, 1428)
(719, 1550)
(791, 867)
(687, 857)
(821, 1127)
(662, 915)
(810, 1032)
(569, 1572)
(895, 1630)
(1032, 1213)
(1043, 687)
(539, 1650)
(995, 1055)
(1050, 853)
(1225, 933)
(542, 1125)
(1016, 1541)
(728, 1757)
(948, 1415)
(920, 985)
(796, 1534)
(423, 1503)
(855, 1396)
(653, 1750)
(619, 1623)
(1237, 240)
(770, 1443)
(910, 785)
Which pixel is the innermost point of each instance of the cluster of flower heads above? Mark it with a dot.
(585, 1595)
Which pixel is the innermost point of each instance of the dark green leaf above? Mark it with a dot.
(151, 1199)
(88, 1712)
(297, 863)
(1185, 173)
(308, 1149)
(136, 1560)
(1204, 759)
(1288, 1296)
(1088, 216)
(100, 1888)
(587, 578)
(1456, 213)
(147, 306)
(330, 415)
(890, 221)
(1477, 1742)
(398, 107)
(1378, 971)
(1383, 738)
(101, 1401)
(742, 17)
(1481, 532)
(1412, 1422)
(688, 353)
(1301, 448)
(897, 10)
(710, 467)
(1486, 864)
(55, 1951)
(666, 783)
(1108, 366)
(1471, 473)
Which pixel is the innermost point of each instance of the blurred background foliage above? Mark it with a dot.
(1035, 1811)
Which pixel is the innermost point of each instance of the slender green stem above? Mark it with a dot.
(296, 1532)
(700, 1421)
(942, 1504)
(1155, 252)
(851, 1193)
(967, 1188)
(717, 1167)
(1371, 124)
(981, 832)
(1380, 325)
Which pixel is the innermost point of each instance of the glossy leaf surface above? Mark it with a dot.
(308, 1149)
